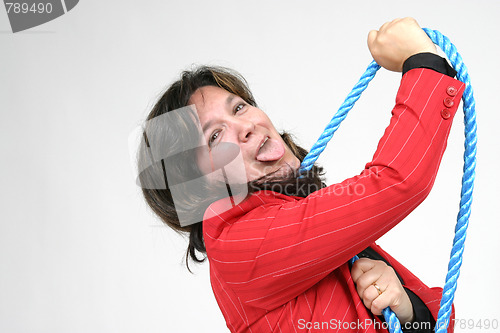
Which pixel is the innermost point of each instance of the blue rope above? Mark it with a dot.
(469, 107)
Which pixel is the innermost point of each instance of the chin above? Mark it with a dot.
(284, 170)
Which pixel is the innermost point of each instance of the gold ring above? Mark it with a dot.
(378, 288)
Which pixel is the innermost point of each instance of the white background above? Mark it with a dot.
(79, 249)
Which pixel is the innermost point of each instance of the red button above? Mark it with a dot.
(448, 102)
(452, 91)
(445, 113)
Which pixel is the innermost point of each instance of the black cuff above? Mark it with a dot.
(431, 61)
(423, 322)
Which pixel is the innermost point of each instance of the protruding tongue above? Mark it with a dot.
(272, 150)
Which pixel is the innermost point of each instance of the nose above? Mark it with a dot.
(245, 129)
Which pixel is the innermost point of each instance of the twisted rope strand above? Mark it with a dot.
(468, 177)
(334, 123)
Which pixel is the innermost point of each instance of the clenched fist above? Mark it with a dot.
(396, 41)
(379, 287)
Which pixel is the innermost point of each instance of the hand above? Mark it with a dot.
(369, 274)
(396, 41)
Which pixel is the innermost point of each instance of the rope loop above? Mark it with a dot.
(469, 107)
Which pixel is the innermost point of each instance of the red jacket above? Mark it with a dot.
(279, 263)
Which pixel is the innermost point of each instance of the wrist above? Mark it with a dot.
(428, 60)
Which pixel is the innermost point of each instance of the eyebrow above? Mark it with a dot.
(229, 100)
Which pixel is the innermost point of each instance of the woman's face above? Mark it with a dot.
(227, 118)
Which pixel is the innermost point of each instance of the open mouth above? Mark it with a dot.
(263, 142)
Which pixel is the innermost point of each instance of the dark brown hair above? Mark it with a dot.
(158, 194)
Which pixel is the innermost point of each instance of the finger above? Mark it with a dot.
(369, 295)
(398, 20)
(388, 25)
(365, 264)
(388, 276)
(379, 304)
(372, 271)
(384, 26)
(382, 301)
(367, 279)
(360, 267)
(410, 20)
(372, 35)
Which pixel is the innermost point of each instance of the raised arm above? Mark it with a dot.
(271, 248)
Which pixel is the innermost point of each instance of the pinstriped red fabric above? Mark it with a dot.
(279, 263)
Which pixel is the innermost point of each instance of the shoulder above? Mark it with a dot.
(234, 207)
(224, 213)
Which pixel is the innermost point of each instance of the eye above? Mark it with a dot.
(239, 107)
(213, 138)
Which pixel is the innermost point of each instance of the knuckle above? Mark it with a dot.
(367, 303)
(355, 267)
(365, 282)
(389, 270)
(366, 294)
(360, 292)
(376, 306)
(361, 283)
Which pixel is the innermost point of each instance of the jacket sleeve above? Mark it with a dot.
(280, 248)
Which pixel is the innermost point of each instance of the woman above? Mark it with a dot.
(279, 249)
